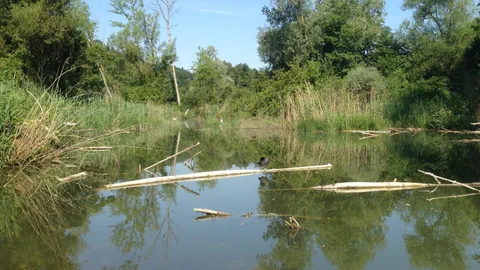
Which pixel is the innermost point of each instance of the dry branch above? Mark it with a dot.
(208, 176)
(211, 212)
(293, 224)
(371, 186)
(172, 156)
(73, 177)
(436, 177)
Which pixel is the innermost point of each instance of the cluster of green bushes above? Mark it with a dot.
(333, 62)
(335, 65)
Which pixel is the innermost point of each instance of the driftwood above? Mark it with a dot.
(371, 186)
(208, 176)
(73, 177)
(211, 212)
(436, 177)
(360, 187)
(172, 156)
(293, 224)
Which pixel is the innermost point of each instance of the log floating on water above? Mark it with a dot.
(372, 185)
(211, 212)
(209, 176)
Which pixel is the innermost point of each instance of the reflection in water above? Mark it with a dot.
(153, 227)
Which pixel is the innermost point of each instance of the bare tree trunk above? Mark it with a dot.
(100, 67)
(167, 10)
(176, 84)
(102, 72)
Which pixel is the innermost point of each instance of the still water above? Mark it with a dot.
(156, 228)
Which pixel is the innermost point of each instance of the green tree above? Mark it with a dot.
(47, 39)
(138, 65)
(210, 84)
(286, 38)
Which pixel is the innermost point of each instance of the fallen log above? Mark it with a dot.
(211, 212)
(378, 186)
(208, 176)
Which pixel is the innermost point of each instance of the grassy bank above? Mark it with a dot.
(331, 107)
(37, 126)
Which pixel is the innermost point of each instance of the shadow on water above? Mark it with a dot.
(154, 227)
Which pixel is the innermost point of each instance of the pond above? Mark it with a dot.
(155, 227)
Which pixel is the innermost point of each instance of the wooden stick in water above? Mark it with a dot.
(209, 176)
(436, 177)
(211, 212)
(172, 156)
(372, 185)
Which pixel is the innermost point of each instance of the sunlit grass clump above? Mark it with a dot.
(40, 127)
(333, 106)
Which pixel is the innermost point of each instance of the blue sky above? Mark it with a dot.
(231, 26)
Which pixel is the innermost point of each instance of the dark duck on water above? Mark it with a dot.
(263, 162)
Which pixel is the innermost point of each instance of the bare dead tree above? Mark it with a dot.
(167, 10)
(101, 68)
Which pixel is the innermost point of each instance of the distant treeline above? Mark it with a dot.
(330, 64)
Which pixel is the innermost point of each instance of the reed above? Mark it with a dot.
(332, 106)
(47, 126)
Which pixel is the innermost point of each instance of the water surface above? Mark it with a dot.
(155, 227)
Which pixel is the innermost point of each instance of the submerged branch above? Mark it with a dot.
(172, 156)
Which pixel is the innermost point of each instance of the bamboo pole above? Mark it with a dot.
(209, 176)
(172, 156)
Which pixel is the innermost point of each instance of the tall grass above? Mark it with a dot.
(46, 126)
(332, 106)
